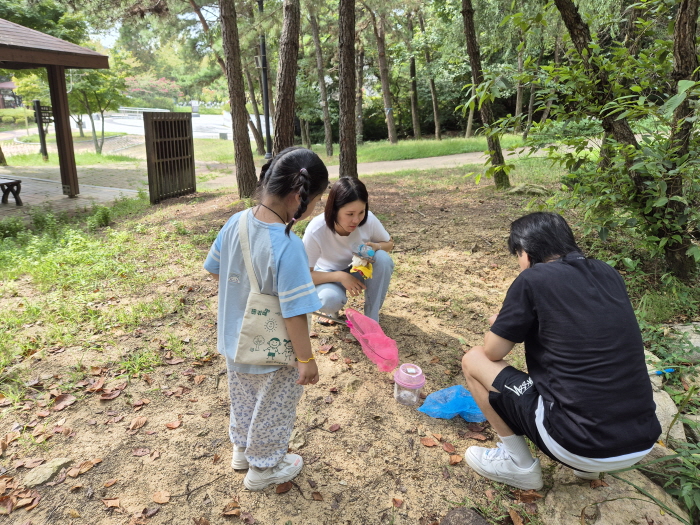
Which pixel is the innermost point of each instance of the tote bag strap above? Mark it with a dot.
(245, 248)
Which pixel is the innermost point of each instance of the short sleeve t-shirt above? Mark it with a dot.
(584, 352)
(281, 268)
(329, 252)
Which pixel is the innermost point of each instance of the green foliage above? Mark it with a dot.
(81, 159)
(100, 218)
(11, 227)
(8, 120)
(47, 16)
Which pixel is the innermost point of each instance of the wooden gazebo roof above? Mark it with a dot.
(24, 48)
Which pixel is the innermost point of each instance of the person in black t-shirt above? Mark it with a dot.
(587, 400)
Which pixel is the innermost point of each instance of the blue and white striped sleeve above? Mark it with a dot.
(296, 290)
(212, 263)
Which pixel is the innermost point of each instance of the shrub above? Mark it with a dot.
(8, 120)
(11, 226)
(100, 218)
(19, 121)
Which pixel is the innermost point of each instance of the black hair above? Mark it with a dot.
(345, 191)
(543, 236)
(294, 170)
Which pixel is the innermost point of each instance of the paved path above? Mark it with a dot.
(103, 183)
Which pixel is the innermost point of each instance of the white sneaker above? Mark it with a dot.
(285, 470)
(496, 464)
(238, 461)
(586, 475)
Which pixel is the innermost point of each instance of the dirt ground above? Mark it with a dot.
(452, 271)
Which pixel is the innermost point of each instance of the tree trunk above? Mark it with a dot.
(3, 160)
(519, 85)
(359, 128)
(245, 167)
(500, 176)
(415, 119)
(685, 67)
(557, 61)
(533, 91)
(327, 127)
(380, 36)
(207, 32)
(431, 81)
(270, 93)
(287, 77)
(346, 88)
(470, 120)
(256, 130)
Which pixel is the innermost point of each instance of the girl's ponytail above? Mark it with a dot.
(294, 170)
(302, 184)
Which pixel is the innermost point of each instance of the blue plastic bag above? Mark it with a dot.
(449, 402)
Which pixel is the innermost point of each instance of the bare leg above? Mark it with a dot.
(480, 372)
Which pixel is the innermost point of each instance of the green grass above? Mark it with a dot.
(81, 159)
(215, 150)
(51, 139)
(202, 110)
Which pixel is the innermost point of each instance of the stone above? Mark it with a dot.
(46, 472)
(297, 440)
(652, 365)
(463, 516)
(528, 189)
(573, 501)
(666, 410)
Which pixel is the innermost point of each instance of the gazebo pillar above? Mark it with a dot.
(64, 136)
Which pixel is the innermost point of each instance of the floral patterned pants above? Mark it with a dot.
(263, 410)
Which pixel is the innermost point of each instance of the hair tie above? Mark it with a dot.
(303, 170)
(293, 220)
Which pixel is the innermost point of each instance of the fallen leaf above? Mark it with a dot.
(43, 413)
(517, 519)
(333, 390)
(528, 496)
(152, 457)
(198, 379)
(434, 360)
(438, 437)
(96, 386)
(173, 425)
(247, 518)
(428, 442)
(162, 497)
(217, 458)
(63, 401)
(139, 452)
(111, 502)
(137, 423)
(325, 349)
(490, 494)
(402, 294)
(448, 447)
(597, 483)
(397, 502)
(106, 396)
(334, 357)
(454, 459)
(200, 521)
(475, 435)
(317, 496)
(174, 361)
(75, 487)
(334, 428)
(232, 508)
(110, 482)
(97, 370)
(284, 487)
(206, 415)
(141, 402)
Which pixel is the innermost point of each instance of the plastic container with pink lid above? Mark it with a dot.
(408, 382)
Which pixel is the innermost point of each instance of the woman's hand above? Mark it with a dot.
(353, 285)
(308, 373)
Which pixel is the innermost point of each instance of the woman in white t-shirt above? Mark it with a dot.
(329, 241)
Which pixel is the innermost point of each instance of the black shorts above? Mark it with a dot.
(516, 403)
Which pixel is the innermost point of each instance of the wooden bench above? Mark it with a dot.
(13, 186)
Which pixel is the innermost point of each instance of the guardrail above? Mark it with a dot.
(127, 112)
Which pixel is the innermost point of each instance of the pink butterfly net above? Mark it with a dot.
(379, 348)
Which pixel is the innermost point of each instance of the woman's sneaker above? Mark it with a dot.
(496, 464)
(285, 470)
(238, 461)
